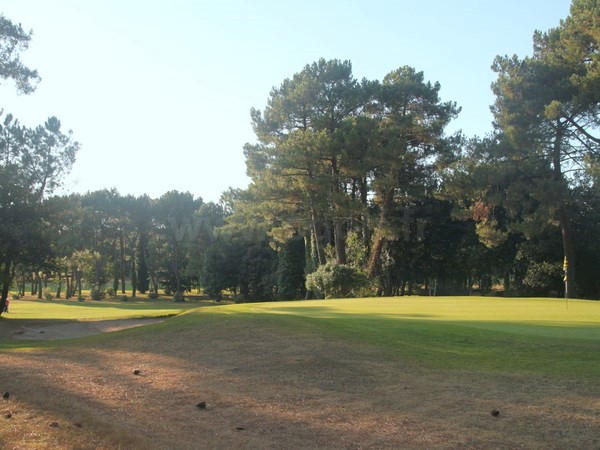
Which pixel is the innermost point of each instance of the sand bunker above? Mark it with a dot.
(79, 329)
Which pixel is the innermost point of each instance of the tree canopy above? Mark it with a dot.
(14, 40)
(356, 189)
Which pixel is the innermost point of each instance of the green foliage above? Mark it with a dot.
(547, 105)
(341, 171)
(152, 295)
(219, 268)
(14, 39)
(48, 294)
(97, 293)
(178, 297)
(542, 275)
(93, 267)
(290, 270)
(124, 298)
(357, 251)
(180, 232)
(336, 281)
(168, 282)
(239, 259)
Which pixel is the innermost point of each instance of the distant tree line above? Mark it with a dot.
(356, 190)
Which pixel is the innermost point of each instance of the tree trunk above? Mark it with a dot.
(78, 282)
(379, 238)
(143, 281)
(68, 287)
(122, 263)
(39, 285)
(6, 281)
(59, 284)
(154, 284)
(317, 237)
(23, 282)
(176, 270)
(133, 277)
(116, 281)
(74, 282)
(340, 241)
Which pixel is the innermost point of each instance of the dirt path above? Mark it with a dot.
(30, 329)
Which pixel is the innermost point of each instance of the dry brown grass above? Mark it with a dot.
(271, 389)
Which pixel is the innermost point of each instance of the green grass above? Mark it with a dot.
(91, 310)
(532, 336)
(546, 337)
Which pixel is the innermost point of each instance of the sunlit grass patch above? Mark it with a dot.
(542, 336)
(92, 310)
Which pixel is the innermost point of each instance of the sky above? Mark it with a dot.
(159, 92)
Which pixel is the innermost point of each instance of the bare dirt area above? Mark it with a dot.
(234, 385)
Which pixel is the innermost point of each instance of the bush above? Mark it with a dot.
(178, 297)
(81, 298)
(47, 294)
(16, 297)
(97, 294)
(336, 281)
(239, 299)
(110, 292)
(153, 295)
(124, 298)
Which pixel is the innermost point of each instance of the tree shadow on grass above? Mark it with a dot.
(273, 385)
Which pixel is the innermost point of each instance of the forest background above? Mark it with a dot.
(356, 189)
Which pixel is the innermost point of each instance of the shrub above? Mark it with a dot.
(178, 297)
(16, 296)
(47, 294)
(81, 298)
(110, 292)
(124, 298)
(239, 299)
(97, 294)
(336, 281)
(153, 295)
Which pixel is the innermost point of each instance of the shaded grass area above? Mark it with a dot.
(327, 374)
(505, 336)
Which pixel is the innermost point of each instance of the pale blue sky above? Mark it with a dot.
(159, 92)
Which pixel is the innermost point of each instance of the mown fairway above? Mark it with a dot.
(489, 334)
(365, 373)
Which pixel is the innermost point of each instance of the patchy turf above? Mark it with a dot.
(291, 380)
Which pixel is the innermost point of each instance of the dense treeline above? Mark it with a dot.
(356, 189)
